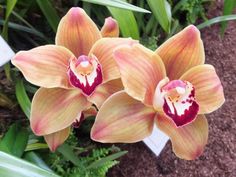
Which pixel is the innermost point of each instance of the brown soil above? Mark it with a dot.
(219, 157)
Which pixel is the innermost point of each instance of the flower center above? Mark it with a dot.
(177, 100)
(85, 73)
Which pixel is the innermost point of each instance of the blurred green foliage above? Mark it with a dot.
(27, 24)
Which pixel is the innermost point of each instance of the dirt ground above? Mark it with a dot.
(219, 157)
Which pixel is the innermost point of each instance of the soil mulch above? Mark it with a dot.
(219, 157)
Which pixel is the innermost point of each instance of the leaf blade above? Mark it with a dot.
(12, 166)
(23, 98)
(216, 20)
(50, 13)
(118, 4)
(162, 12)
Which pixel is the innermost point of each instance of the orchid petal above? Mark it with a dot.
(92, 111)
(104, 91)
(208, 89)
(45, 66)
(122, 119)
(103, 50)
(56, 139)
(141, 70)
(188, 141)
(55, 109)
(110, 28)
(77, 32)
(182, 52)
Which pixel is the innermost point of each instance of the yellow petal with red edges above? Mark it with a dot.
(188, 141)
(122, 119)
(55, 109)
(104, 91)
(182, 52)
(45, 66)
(56, 139)
(103, 50)
(208, 89)
(110, 28)
(141, 70)
(77, 32)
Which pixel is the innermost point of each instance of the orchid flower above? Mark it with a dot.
(171, 87)
(74, 73)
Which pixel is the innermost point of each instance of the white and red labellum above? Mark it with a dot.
(177, 100)
(85, 73)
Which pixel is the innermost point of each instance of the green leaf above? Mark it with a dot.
(10, 6)
(162, 11)
(69, 154)
(11, 166)
(101, 161)
(36, 146)
(26, 29)
(229, 6)
(50, 13)
(118, 4)
(216, 20)
(15, 140)
(35, 159)
(127, 22)
(23, 98)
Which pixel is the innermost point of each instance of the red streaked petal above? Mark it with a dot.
(103, 49)
(141, 70)
(182, 52)
(56, 139)
(122, 119)
(105, 90)
(188, 141)
(77, 32)
(45, 66)
(55, 109)
(110, 28)
(85, 73)
(208, 88)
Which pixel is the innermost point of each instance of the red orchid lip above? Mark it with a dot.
(179, 102)
(85, 73)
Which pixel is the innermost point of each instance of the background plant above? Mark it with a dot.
(27, 24)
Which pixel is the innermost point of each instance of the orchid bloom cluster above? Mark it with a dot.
(132, 87)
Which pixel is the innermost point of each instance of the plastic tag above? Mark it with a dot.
(6, 53)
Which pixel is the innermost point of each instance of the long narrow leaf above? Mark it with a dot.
(10, 6)
(127, 22)
(11, 166)
(15, 140)
(216, 20)
(229, 6)
(50, 13)
(68, 153)
(35, 159)
(118, 4)
(36, 146)
(162, 11)
(19, 27)
(23, 98)
(100, 162)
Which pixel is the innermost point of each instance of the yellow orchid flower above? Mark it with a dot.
(171, 87)
(74, 73)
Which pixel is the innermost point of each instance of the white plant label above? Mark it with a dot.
(6, 53)
(156, 141)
